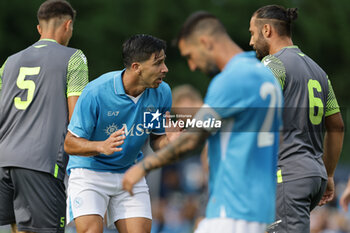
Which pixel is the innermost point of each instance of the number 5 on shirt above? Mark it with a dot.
(28, 85)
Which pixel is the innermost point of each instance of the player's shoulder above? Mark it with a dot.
(271, 59)
(274, 63)
(105, 80)
(18, 54)
(161, 93)
(243, 63)
(164, 87)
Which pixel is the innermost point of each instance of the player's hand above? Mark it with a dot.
(172, 132)
(329, 193)
(110, 145)
(345, 199)
(132, 176)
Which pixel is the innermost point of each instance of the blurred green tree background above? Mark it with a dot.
(322, 31)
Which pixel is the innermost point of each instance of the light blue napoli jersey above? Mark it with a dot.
(243, 152)
(103, 108)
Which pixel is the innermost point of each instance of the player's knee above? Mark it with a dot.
(90, 229)
(89, 225)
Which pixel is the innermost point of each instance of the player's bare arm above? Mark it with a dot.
(72, 100)
(74, 145)
(333, 143)
(158, 141)
(187, 143)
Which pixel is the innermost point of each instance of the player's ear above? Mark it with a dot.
(267, 30)
(136, 67)
(206, 42)
(38, 27)
(68, 24)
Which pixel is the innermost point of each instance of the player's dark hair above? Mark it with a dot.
(281, 17)
(200, 21)
(55, 8)
(139, 48)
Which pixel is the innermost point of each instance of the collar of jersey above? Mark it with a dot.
(291, 47)
(118, 84)
(52, 40)
(240, 55)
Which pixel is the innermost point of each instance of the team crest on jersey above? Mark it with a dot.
(111, 129)
(78, 202)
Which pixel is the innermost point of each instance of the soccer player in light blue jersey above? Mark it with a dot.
(106, 133)
(245, 97)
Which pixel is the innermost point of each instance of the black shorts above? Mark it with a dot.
(35, 201)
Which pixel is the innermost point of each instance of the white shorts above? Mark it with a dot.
(229, 225)
(92, 192)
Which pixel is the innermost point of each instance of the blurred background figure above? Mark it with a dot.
(345, 198)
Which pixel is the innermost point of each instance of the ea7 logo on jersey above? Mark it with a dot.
(151, 120)
(112, 113)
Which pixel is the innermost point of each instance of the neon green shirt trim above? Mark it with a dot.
(291, 47)
(74, 94)
(1, 72)
(52, 40)
(56, 171)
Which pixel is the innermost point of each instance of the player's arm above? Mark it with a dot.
(77, 79)
(75, 145)
(72, 100)
(158, 141)
(186, 144)
(333, 142)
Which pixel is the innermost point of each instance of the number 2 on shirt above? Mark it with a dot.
(28, 85)
(265, 137)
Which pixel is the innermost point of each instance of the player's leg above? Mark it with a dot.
(131, 214)
(7, 214)
(87, 200)
(134, 225)
(89, 224)
(39, 201)
(14, 229)
(318, 194)
(293, 204)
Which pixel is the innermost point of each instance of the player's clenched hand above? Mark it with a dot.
(110, 145)
(329, 193)
(132, 176)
